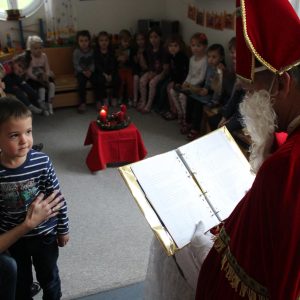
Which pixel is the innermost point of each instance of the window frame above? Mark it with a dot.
(28, 11)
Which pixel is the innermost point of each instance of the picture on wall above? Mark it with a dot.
(200, 20)
(218, 21)
(209, 16)
(229, 20)
(192, 12)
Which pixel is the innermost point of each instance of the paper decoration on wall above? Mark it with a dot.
(200, 20)
(211, 19)
(229, 20)
(218, 21)
(192, 12)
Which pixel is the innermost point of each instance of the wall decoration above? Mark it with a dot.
(218, 21)
(229, 20)
(200, 20)
(211, 19)
(209, 16)
(192, 12)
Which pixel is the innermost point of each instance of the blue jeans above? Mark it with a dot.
(42, 252)
(8, 277)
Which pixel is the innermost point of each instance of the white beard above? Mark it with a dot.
(259, 119)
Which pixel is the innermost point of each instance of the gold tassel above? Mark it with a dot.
(219, 244)
(228, 265)
(243, 290)
(236, 282)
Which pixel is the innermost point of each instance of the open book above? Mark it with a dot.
(200, 181)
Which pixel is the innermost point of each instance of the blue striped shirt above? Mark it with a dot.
(20, 186)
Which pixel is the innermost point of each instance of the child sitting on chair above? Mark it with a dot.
(140, 63)
(39, 74)
(15, 84)
(83, 61)
(195, 77)
(179, 66)
(124, 55)
(209, 94)
(106, 70)
(157, 70)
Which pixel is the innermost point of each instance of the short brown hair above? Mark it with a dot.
(11, 107)
(200, 37)
(175, 39)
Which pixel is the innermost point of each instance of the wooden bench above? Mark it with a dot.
(61, 63)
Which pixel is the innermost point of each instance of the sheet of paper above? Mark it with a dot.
(174, 195)
(220, 168)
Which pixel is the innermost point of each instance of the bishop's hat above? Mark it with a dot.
(267, 31)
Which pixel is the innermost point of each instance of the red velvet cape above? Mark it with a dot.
(264, 232)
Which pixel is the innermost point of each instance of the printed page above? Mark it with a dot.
(220, 168)
(174, 195)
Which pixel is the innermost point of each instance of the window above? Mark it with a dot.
(27, 7)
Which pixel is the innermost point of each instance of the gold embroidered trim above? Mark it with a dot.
(237, 277)
(254, 51)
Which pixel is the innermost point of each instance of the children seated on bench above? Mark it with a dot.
(140, 64)
(83, 62)
(16, 84)
(157, 70)
(124, 55)
(209, 94)
(106, 67)
(179, 66)
(195, 77)
(39, 74)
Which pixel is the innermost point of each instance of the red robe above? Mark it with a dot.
(264, 232)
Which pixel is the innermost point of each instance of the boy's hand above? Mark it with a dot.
(41, 210)
(62, 240)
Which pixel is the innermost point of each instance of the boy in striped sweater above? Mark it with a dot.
(24, 174)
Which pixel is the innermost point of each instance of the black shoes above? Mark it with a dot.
(35, 288)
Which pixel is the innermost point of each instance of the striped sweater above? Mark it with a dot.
(20, 186)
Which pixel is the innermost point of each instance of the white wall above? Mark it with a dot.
(114, 15)
(177, 9)
(98, 15)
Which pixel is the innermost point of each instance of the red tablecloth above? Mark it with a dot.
(112, 146)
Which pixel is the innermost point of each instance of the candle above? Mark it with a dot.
(121, 116)
(123, 108)
(103, 115)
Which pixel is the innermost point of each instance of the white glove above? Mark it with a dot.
(201, 244)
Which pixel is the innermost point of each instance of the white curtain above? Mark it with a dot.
(60, 20)
(296, 5)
